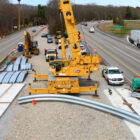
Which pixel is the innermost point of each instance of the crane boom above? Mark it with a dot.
(65, 8)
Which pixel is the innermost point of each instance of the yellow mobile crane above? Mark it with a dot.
(79, 65)
(65, 78)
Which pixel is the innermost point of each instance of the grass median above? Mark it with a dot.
(123, 30)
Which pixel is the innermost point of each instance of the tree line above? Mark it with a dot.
(9, 16)
(49, 14)
(90, 12)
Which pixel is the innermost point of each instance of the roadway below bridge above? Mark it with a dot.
(114, 51)
(11, 41)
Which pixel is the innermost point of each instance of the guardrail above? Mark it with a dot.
(134, 118)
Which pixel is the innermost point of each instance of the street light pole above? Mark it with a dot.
(19, 15)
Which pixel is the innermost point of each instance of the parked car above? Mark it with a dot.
(84, 23)
(50, 54)
(59, 44)
(33, 30)
(113, 76)
(49, 36)
(49, 40)
(92, 30)
(44, 35)
(83, 49)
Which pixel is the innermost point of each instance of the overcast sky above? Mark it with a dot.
(133, 3)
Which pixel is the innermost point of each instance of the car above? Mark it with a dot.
(49, 40)
(33, 30)
(84, 23)
(50, 54)
(92, 30)
(113, 76)
(83, 49)
(44, 35)
(49, 36)
(59, 43)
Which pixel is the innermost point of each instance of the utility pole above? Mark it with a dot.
(19, 14)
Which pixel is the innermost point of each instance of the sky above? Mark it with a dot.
(133, 3)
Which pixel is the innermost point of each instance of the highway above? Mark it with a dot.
(114, 51)
(11, 41)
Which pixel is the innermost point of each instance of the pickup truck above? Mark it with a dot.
(113, 76)
(50, 54)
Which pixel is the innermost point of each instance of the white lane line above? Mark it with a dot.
(131, 49)
(11, 44)
(9, 40)
(137, 60)
(114, 57)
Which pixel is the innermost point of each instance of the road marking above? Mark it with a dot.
(118, 60)
(115, 58)
(11, 44)
(137, 60)
(129, 48)
(10, 39)
(128, 80)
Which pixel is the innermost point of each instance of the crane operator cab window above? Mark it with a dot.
(59, 65)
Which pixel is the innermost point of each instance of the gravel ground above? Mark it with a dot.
(57, 121)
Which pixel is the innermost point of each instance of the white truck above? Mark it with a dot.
(113, 76)
(50, 54)
(135, 37)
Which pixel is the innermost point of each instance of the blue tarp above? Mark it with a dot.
(10, 67)
(2, 75)
(7, 77)
(14, 77)
(21, 76)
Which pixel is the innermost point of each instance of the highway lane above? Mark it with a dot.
(11, 41)
(114, 52)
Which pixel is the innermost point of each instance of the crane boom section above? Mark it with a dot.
(65, 8)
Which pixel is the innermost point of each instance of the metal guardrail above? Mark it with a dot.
(134, 118)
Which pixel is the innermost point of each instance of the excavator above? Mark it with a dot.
(65, 73)
(29, 47)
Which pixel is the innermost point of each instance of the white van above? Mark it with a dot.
(92, 30)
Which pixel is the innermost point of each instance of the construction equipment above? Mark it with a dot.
(66, 72)
(29, 47)
(88, 63)
(136, 87)
(63, 85)
(136, 84)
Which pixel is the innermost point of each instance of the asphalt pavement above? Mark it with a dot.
(114, 51)
(11, 41)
